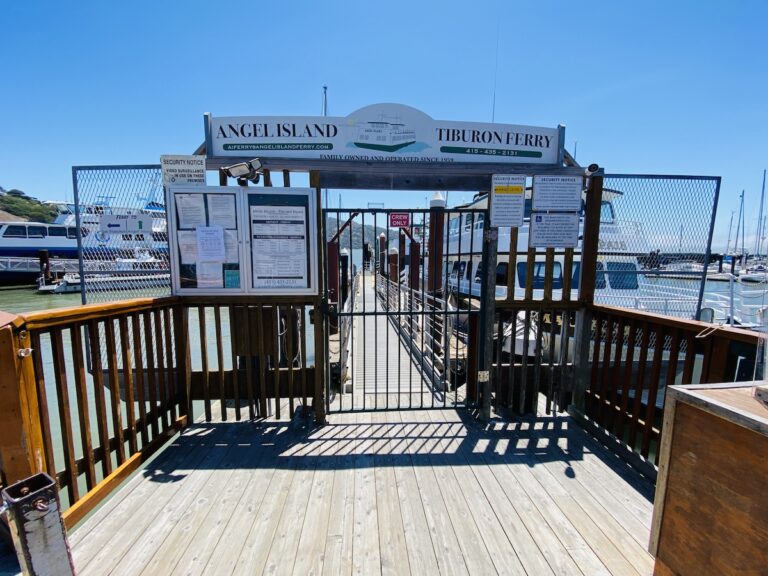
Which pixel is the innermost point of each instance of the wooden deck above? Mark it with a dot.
(419, 492)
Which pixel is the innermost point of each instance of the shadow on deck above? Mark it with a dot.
(416, 492)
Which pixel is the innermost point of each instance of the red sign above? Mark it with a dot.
(399, 220)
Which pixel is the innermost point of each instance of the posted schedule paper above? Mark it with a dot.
(279, 246)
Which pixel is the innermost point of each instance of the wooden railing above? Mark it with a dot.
(101, 392)
(89, 393)
(634, 356)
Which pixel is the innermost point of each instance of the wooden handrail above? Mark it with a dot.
(9, 319)
(64, 316)
(738, 334)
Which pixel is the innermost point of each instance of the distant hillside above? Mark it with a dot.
(358, 231)
(6, 217)
(25, 207)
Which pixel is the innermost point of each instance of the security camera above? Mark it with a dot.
(592, 169)
(245, 170)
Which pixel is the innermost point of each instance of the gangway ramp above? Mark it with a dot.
(396, 359)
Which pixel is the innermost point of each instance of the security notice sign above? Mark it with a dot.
(554, 230)
(507, 200)
(399, 220)
(183, 170)
(559, 193)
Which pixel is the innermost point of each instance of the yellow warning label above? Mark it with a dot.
(509, 189)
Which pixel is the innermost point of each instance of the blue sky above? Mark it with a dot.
(644, 87)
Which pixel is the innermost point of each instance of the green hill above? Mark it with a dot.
(25, 207)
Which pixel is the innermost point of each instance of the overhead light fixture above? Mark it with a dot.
(245, 170)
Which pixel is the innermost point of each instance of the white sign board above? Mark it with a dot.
(507, 200)
(554, 230)
(560, 193)
(183, 170)
(388, 132)
(125, 223)
(280, 247)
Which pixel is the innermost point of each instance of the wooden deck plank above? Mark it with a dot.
(111, 550)
(366, 556)
(394, 553)
(221, 554)
(493, 528)
(235, 501)
(338, 542)
(180, 458)
(418, 536)
(285, 543)
(191, 541)
(265, 524)
(448, 553)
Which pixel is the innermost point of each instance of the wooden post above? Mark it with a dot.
(21, 438)
(382, 254)
(591, 237)
(435, 246)
(320, 304)
(394, 268)
(401, 251)
(488, 307)
(414, 265)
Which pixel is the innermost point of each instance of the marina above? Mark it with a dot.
(446, 389)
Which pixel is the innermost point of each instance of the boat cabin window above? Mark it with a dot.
(159, 236)
(468, 274)
(622, 275)
(453, 226)
(606, 212)
(501, 273)
(15, 232)
(468, 221)
(59, 231)
(479, 221)
(478, 273)
(127, 236)
(139, 237)
(600, 277)
(36, 232)
(72, 233)
(539, 273)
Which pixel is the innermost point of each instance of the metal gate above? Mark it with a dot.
(405, 291)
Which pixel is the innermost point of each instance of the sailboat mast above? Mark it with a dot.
(760, 219)
(730, 229)
(743, 226)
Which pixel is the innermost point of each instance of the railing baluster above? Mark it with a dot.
(114, 390)
(204, 360)
(151, 375)
(626, 380)
(81, 393)
(65, 418)
(639, 385)
(171, 372)
(128, 385)
(650, 407)
(275, 345)
(252, 336)
(291, 319)
(99, 397)
(140, 383)
(613, 374)
(690, 359)
(303, 312)
(234, 344)
(592, 405)
(162, 372)
(42, 402)
(606, 371)
(220, 360)
(261, 334)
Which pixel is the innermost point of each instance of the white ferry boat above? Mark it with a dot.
(27, 239)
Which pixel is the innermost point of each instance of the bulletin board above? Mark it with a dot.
(227, 240)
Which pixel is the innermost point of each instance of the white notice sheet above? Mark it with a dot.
(221, 210)
(210, 244)
(279, 247)
(191, 210)
(210, 275)
(187, 246)
(231, 248)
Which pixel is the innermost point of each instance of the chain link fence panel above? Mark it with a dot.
(120, 212)
(655, 246)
